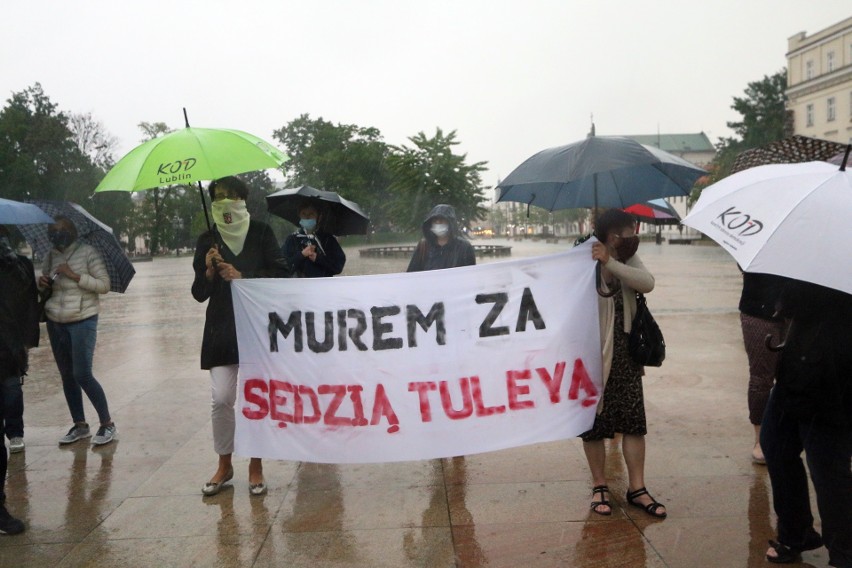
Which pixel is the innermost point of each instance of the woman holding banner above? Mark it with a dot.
(236, 247)
(622, 408)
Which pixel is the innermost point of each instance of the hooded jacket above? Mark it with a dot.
(429, 255)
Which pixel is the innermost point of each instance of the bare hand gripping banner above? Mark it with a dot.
(417, 366)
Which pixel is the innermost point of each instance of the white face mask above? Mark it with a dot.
(232, 220)
(440, 229)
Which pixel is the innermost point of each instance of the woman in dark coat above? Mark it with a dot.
(312, 251)
(810, 411)
(237, 247)
(443, 244)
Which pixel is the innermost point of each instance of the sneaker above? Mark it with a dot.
(16, 445)
(8, 523)
(105, 435)
(76, 432)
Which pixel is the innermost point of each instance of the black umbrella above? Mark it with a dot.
(340, 216)
(599, 171)
(90, 231)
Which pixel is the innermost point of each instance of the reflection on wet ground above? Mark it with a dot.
(137, 502)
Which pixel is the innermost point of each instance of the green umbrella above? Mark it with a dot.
(191, 155)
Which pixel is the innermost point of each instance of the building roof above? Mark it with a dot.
(676, 142)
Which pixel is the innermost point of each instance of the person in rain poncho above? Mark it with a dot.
(312, 251)
(443, 244)
(237, 247)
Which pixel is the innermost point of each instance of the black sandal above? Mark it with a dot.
(602, 489)
(651, 508)
(790, 554)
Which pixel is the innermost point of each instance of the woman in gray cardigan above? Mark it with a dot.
(622, 408)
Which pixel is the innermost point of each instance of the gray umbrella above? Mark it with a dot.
(599, 171)
(90, 231)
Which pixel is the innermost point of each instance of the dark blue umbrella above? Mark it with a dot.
(90, 231)
(599, 171)
(17, 213)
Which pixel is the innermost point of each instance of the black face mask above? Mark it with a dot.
(60, 239)
(6, 250)
(626, 247)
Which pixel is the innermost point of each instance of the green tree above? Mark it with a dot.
(764, 120)
(344, 158)
(38, 156)
(430, 173)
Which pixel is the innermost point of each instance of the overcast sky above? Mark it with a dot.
(511, 77)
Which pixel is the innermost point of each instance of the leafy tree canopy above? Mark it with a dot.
(38, 155)
(344, 158)
(764, 119)
(430, 173)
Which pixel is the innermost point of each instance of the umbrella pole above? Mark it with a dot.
(200, 189)
(204, 206)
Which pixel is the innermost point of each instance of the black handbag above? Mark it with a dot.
(645, 344)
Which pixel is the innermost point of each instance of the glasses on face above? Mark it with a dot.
(617, 236)
(226, 195)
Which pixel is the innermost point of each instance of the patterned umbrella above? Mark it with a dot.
(90, 231)
(790, 150)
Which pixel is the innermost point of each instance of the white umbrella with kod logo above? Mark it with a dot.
(793, 220)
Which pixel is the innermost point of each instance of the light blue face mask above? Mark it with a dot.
(308, 224)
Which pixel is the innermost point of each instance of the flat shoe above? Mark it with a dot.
(651, 508)
(257, 488)
(790, 554)
(210, 488)
(604, 502)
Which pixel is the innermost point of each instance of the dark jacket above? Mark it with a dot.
(19, 329)
(260, 258)
(815, 371)
(330, 256)
(760, 295)
(429, 255)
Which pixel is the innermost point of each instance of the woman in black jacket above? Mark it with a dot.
(237, 247)
(312, 251)
(810, 411)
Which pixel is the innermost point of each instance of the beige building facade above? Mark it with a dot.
(819, 83)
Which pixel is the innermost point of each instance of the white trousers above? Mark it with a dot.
(223, 391)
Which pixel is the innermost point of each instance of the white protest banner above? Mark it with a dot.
(416, 366)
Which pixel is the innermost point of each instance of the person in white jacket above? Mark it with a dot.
(76, 275)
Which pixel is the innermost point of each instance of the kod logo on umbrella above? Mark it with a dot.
(741, 224)
(171, 172)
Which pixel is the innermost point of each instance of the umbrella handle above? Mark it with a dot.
(774, 348)
(599, 281)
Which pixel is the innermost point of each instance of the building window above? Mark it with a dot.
(831, 110)
(809, 69)
(809, 115)
(830, 61)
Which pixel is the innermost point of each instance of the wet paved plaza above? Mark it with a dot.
(137, 502)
